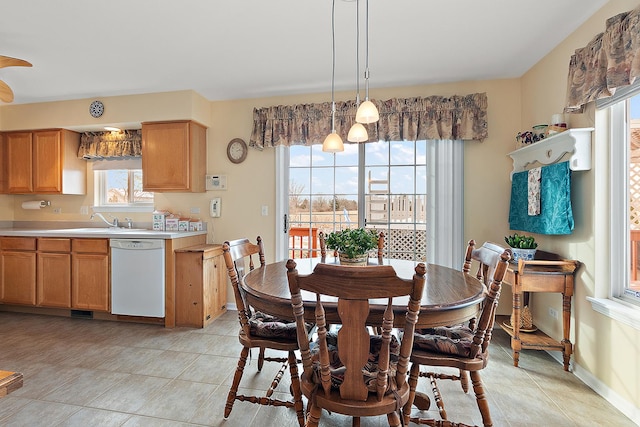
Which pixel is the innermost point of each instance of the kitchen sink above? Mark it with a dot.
(105, 230)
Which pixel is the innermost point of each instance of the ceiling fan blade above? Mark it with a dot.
(6, 94)
(7, 61)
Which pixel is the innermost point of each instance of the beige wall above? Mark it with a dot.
(605, 350)
(252, 183)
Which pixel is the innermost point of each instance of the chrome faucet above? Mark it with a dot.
(129, 222)
(115, 220)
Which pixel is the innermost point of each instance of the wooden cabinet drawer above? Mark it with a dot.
(94, 246)
(18, 243)
(54, 245)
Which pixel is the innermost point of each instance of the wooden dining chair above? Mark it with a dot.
(465, 348)
(323, 247)
(484, 273)
(260, 330)
(352, 372)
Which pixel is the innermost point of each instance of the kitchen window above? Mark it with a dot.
(118, 187)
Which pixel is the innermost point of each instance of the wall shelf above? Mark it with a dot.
(573, 144)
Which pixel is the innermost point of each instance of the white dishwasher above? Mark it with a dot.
(137, 277)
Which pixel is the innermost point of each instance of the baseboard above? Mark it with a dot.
(627, 408)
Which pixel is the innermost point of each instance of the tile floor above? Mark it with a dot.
(80, 372)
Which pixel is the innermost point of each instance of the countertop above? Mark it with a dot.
(98, 232)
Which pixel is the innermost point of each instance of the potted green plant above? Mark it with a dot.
(522, 247)
(352, 245)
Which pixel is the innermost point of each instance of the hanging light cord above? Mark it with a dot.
(333, 65)
(357, 53)
(366, 67)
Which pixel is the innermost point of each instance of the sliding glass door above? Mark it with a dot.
(383, 186)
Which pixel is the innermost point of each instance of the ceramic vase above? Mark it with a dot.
(525, 254)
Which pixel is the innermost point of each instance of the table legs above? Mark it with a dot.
(566, 324)
(516, 344)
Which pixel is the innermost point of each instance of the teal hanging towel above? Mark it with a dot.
(556, 216)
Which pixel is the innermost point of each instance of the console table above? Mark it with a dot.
(547, 273)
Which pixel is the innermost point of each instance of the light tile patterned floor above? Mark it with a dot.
(80, 372)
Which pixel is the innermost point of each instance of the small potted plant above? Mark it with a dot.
(522, 247)
(352, 245)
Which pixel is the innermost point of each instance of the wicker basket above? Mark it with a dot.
(526, 320)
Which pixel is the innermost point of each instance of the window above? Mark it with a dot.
(121, 189)
(393, 187)
(625, 188)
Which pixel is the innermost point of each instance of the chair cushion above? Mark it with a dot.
(369, 371)
(268, 326)
(455, 340)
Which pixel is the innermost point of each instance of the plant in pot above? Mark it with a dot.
(522, 247)
(352, 245)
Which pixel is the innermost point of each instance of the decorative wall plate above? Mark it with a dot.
(96, 109)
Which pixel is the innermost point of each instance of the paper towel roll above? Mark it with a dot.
(36, 204)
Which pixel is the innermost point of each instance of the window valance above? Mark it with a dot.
(434, 117)
(610, 61)
(104, 145)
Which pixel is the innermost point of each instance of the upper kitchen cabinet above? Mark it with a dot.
(44, 162)
(174, 156)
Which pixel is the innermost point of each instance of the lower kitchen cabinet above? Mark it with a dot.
(18, 270)
(201, 285)
(53, 278)
(90, 288)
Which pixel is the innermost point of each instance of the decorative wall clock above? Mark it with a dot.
(237, 150)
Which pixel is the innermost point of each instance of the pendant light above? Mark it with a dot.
(333, 143)
(367, 112)
(357, 133)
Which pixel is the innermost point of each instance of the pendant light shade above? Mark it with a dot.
(333, 143)
(358, 133)
(367, 113)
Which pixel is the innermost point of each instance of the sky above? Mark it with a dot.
(635, 107)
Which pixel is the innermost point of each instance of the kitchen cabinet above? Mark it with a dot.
(44, 162)
(174, 156)
(53, 272)
(90, 283)
(3, 166)
(18, 270)
(201, 285)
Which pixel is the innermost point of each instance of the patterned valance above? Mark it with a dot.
(434, 117)
(110, 145)
(611, 60)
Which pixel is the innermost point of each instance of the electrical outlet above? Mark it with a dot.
(553, 313)
(265, 210)
(57, 210)
(195, 210)
(84, 210)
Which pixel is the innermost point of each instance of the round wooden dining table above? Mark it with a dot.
(449, 297)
